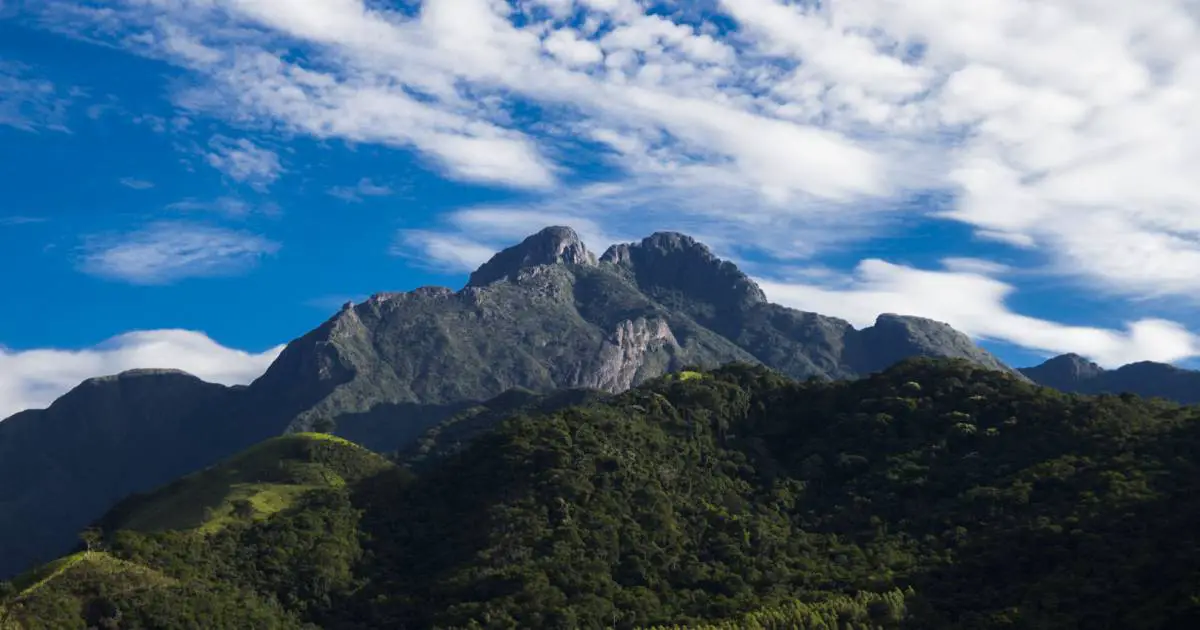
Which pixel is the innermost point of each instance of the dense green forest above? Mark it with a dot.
(934, 495)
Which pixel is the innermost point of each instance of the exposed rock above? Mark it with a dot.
(623, 355)
(552, 245)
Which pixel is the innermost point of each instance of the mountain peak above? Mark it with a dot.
(895, 337)
(667, 264)
(1065, 371)
(552, 245)
(1072, 364)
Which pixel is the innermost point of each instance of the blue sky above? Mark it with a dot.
(192, 183)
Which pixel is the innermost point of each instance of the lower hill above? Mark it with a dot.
(254, 484)
(933, 495)
(98, 590)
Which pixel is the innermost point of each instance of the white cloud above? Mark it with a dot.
(230, 207)
(136, 184)
(166, 252)
(364, 188)
(441, 251)
(964, 297)
(31, 103)
(32, 379)
(21, 220)
(244, 161)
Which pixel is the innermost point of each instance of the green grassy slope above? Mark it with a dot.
(256, 483)
(94, 589)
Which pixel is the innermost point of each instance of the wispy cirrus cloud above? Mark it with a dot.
(32, 103)
(229, 207)
(22, 220)
(169, 251)
(364, 188)
(244, 161)
(136, 184)
(32, 379)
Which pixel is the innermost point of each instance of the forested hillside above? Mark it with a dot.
(934, 495)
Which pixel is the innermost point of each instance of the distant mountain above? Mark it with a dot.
(543, 315)
(934, 495)
(1073, 373)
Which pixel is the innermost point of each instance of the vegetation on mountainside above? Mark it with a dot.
(935, 495)
(254, 484)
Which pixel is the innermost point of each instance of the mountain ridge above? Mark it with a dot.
(545, 314)
(1074, 373)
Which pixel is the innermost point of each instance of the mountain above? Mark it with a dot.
(543, 315)
(933, 495)
(111, 436)
(1073, 373)
(548, 314)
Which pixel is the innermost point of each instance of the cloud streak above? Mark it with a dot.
(364, 188)
(166, 252)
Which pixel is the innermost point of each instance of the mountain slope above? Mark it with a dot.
(1073, 373)
(254, 484)
(542, 315)
(98, 590)
(933, 495)
(64, 466)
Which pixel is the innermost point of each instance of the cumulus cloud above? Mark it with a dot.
(964, 296)
(32, 379)
(166, 252)
(244, 161)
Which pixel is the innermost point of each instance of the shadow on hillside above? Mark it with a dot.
(391, 426)
(418, 531)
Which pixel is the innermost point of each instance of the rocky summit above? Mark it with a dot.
(543, 315)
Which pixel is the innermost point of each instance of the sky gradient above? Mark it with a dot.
(191, 183)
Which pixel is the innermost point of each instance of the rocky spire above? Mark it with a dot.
(552, 245)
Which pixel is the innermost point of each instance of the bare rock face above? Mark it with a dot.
(623, 356)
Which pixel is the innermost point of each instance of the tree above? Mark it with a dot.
(92, 539)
